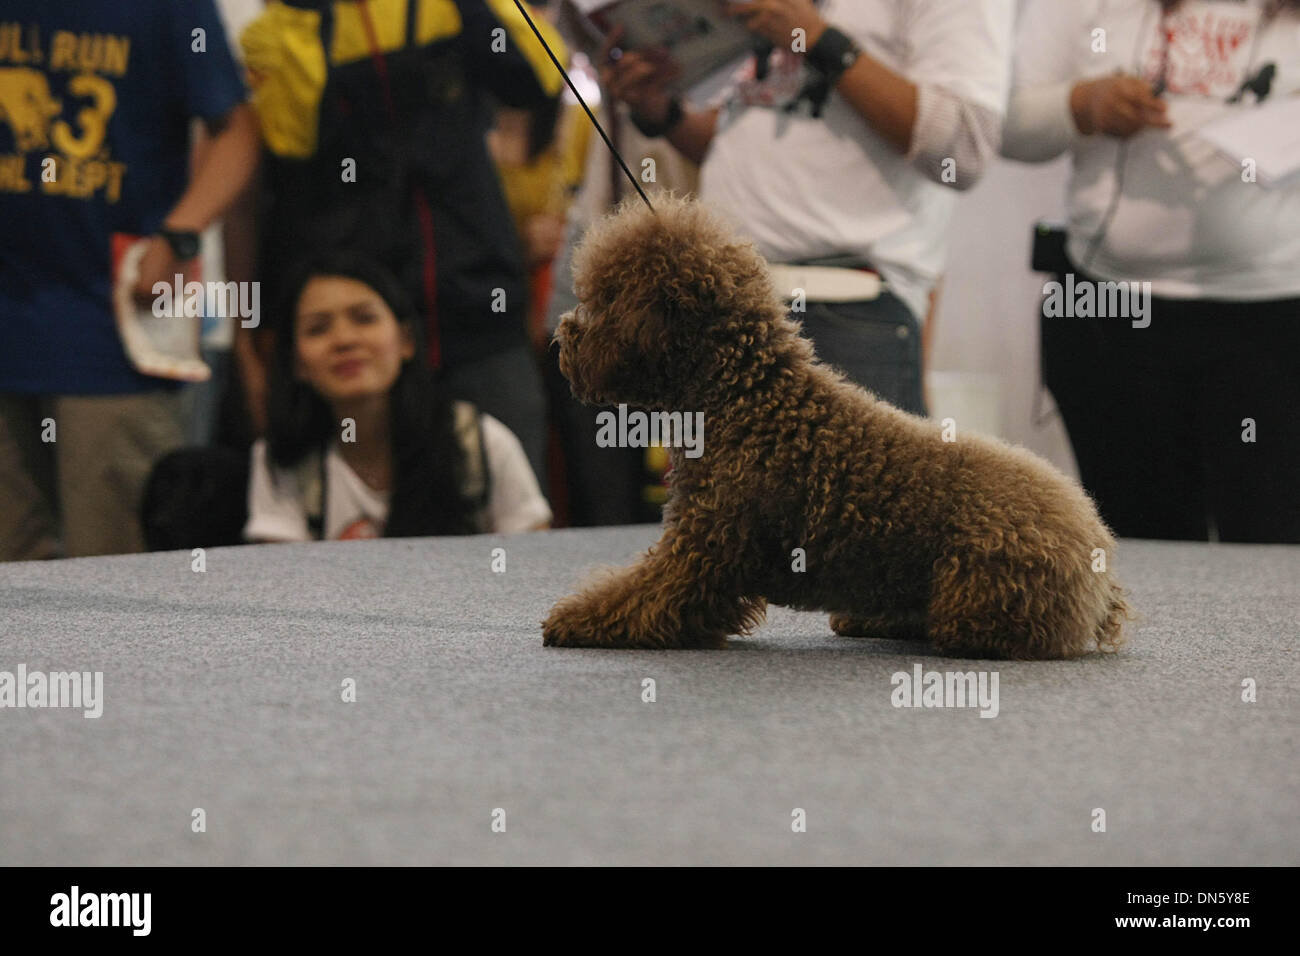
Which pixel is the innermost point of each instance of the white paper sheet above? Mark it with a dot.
(1268, 134)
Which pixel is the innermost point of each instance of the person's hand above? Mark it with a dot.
(638, 78)
(1118, 105)
(158, 264)
(776, 20)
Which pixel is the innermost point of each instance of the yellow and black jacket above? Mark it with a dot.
(373, 110)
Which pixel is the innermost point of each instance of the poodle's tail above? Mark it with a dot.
(1110, 632)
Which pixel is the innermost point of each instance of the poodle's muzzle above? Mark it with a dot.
(568, 334)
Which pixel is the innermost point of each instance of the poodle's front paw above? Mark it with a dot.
(573, 625)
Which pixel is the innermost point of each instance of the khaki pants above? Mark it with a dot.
(79, 461)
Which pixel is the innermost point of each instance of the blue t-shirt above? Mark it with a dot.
(107, 88)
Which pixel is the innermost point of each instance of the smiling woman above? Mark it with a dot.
(361, 442)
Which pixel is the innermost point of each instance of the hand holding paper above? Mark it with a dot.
(639, 78)
(696, 36)
(165, 346)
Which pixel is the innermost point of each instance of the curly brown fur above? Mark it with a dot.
(984, 549)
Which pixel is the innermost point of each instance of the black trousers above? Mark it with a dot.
(1187, 428)
(604, 485)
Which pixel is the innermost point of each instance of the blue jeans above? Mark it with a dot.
(876, 344)
(201, 401)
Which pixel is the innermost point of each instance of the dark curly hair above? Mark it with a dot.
(428, 462)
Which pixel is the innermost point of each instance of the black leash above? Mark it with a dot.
(600, 129)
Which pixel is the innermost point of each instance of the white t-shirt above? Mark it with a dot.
(802, 187)
(1184, 220)
(355, 510)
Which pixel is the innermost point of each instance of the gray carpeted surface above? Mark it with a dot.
(222, 691)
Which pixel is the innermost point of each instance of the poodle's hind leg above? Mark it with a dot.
(986, 607)
(900, 625)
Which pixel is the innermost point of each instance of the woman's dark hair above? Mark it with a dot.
(428, 462)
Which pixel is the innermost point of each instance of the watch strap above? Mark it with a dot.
(184, 244)
(833, 53)
(653, 130)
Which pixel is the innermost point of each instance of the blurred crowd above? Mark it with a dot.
(403, 182)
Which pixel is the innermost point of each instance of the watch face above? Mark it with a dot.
(184, 244)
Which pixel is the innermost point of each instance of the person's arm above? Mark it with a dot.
(946, 134)
(885, 99)
(207, 85)
(1049, 36)
(1044, 121)
(639, 78)
(1050, 106)
(947, 122)
(226, 169)
(691, 137)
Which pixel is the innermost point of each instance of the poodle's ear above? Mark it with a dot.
(645, 345)
(660, 326)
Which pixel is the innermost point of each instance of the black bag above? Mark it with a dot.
(1048, 250)
(196, 498)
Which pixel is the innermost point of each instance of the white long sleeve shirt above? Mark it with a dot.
(802, 187)
(1183, 218)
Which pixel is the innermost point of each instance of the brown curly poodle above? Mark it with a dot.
(810, 492)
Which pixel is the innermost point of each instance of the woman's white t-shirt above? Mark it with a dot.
(355, 510)
(1163, 205)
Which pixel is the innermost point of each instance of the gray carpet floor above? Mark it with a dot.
(222, 691)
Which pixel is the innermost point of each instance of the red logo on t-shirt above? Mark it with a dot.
(1202, 49)
(361, 528)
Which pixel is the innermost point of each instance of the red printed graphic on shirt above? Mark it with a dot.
(1202, 48)
(360, 529)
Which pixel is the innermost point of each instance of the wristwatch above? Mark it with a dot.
(833, 53)
(185, 245)
(652, 130)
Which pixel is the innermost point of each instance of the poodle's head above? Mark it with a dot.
(671, 304)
